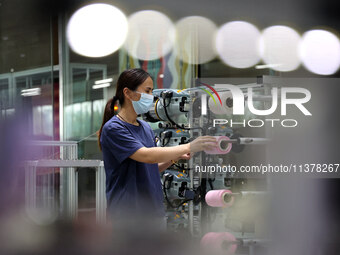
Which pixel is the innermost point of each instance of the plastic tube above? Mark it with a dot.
(219, 198)
(223, 146)
(219, 243)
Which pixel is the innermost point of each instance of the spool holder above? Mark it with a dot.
(247, 140)
(245, 242)
(228, 196)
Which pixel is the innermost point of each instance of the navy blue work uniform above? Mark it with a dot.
(132, 187)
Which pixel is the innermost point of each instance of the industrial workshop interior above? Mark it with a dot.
(169, 127)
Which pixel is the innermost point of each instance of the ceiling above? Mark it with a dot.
(28, 27)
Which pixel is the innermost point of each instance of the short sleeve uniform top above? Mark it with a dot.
(131, 186)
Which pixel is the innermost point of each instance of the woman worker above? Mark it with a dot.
(132, 160)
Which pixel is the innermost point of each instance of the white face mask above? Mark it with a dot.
(143, 104)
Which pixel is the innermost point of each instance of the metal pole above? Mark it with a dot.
(30, 184)
(100, 194)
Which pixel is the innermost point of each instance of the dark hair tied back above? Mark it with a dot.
(113, 102)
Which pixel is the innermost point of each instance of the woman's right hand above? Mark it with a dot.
(203, 143)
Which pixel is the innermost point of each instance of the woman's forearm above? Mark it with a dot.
(160, 154)
(164, 165)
